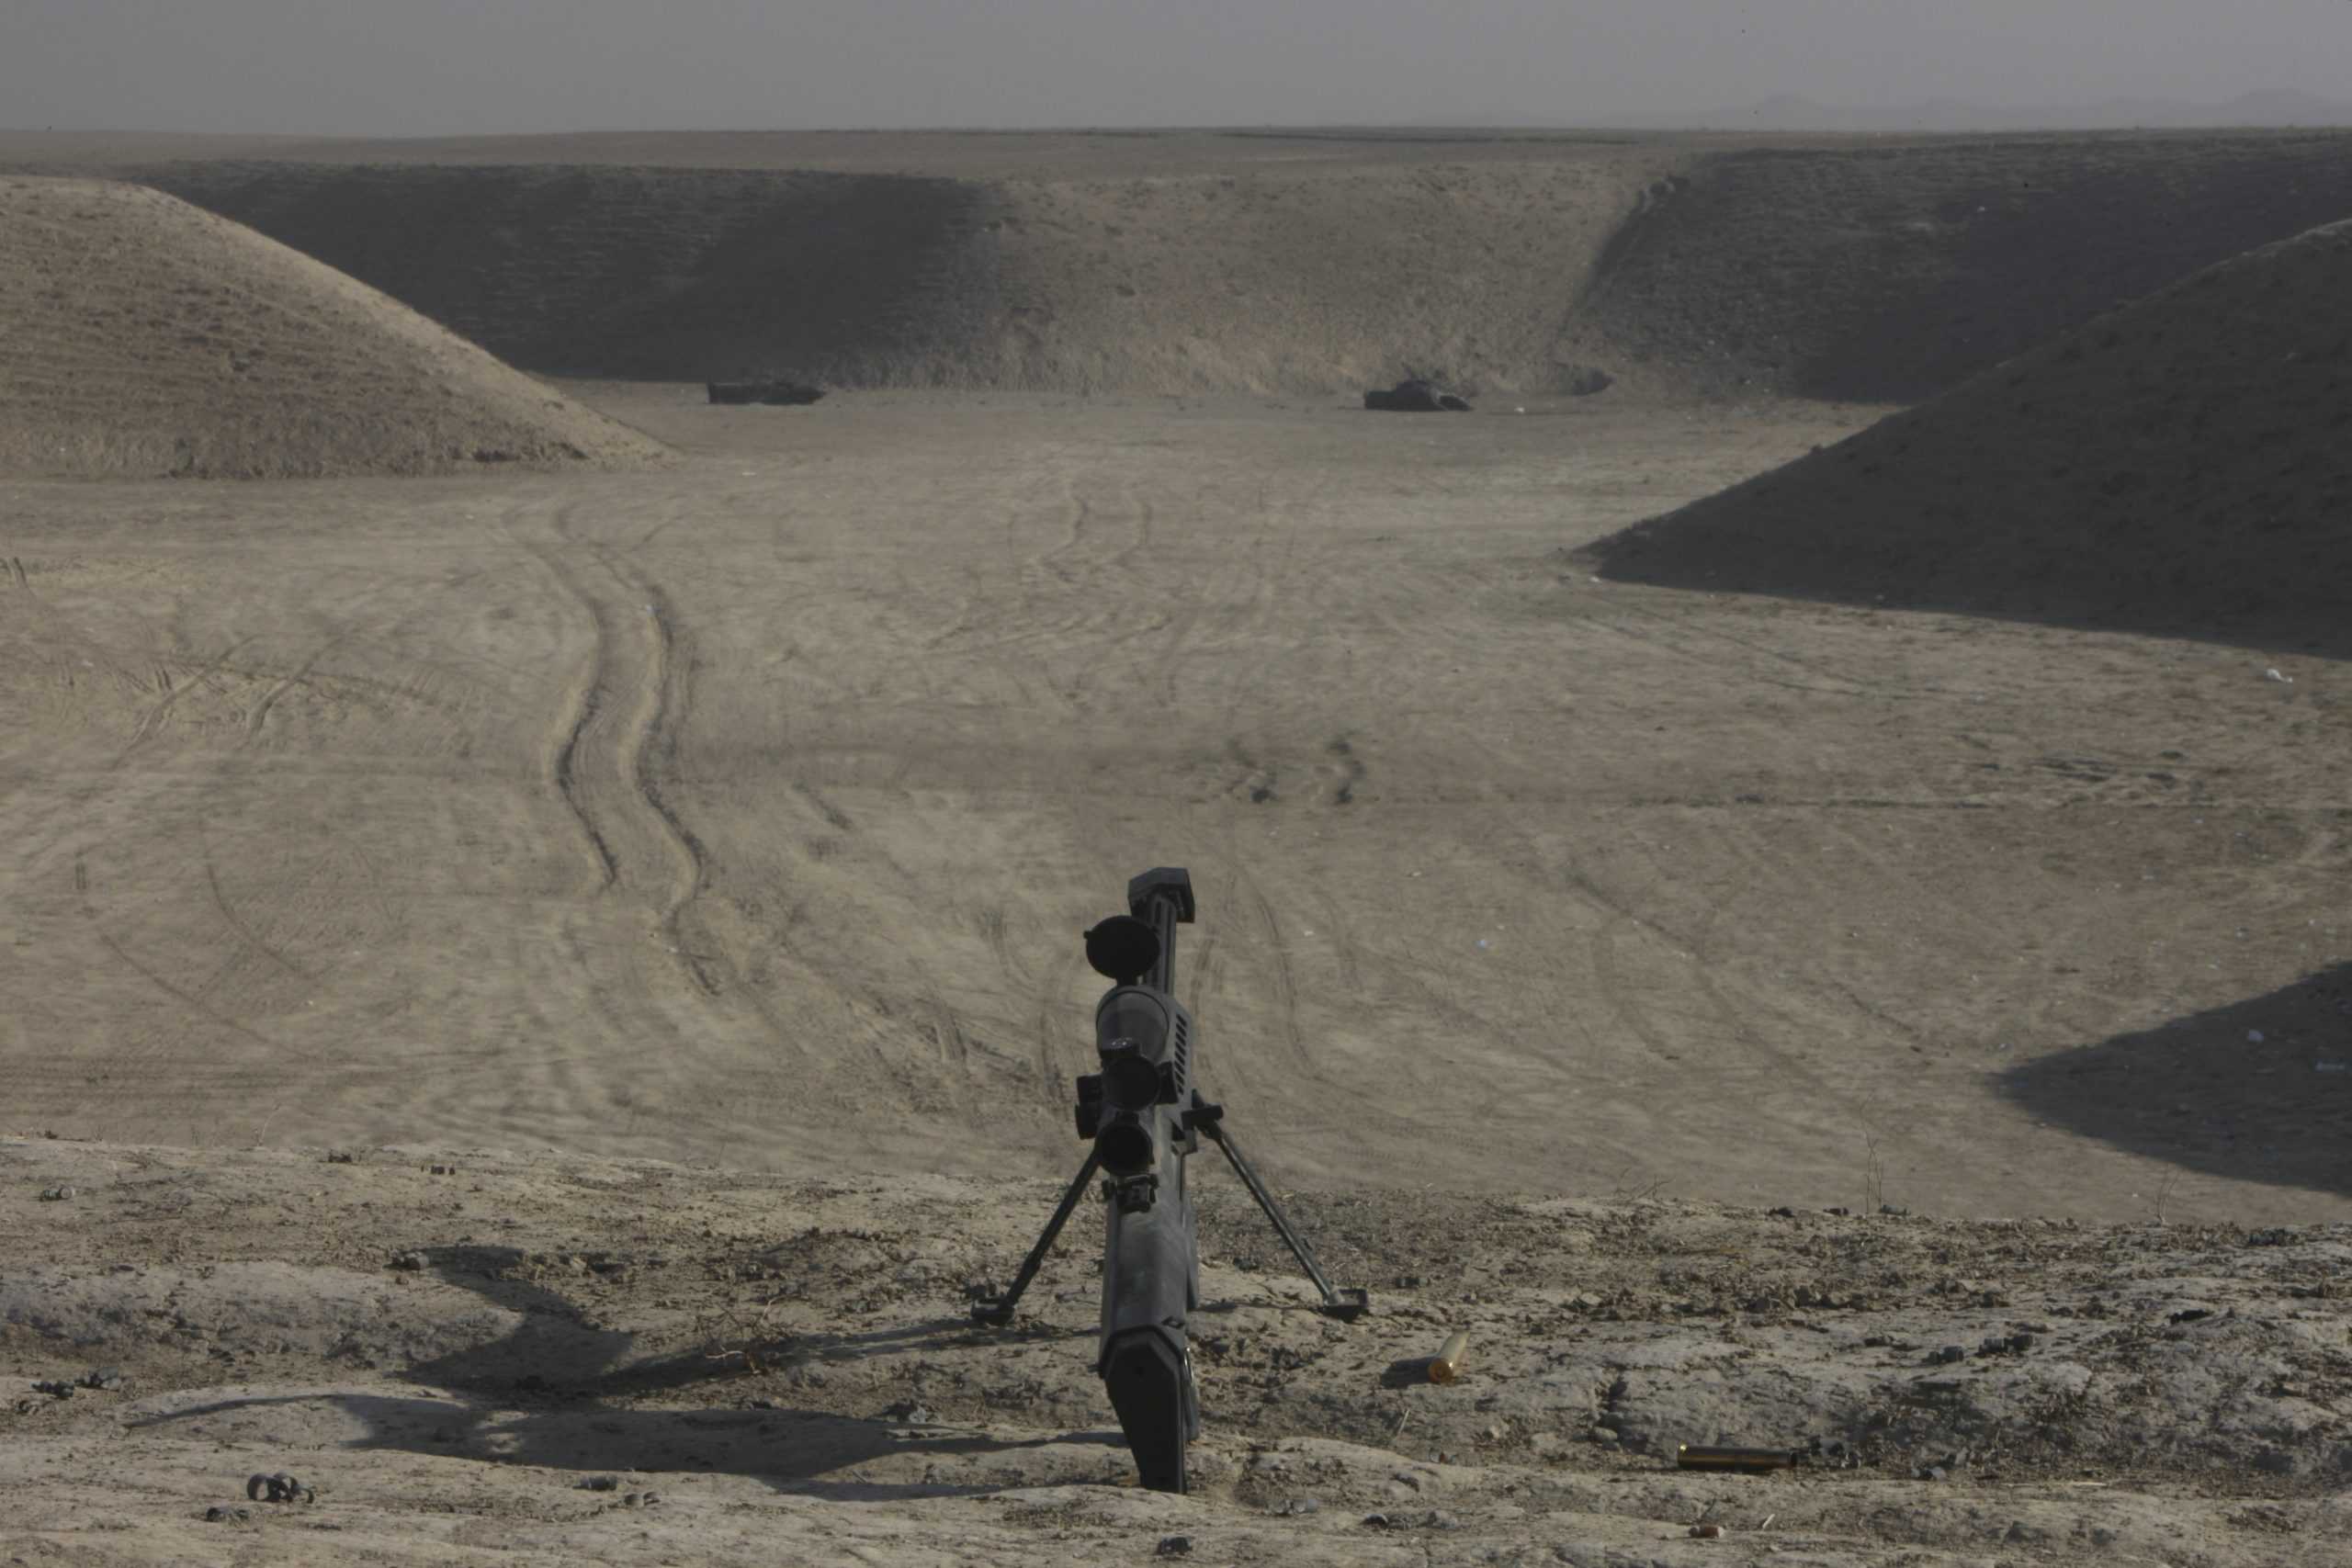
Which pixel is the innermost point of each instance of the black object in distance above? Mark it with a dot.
(1145, 1118)
(784, 393)
(1413, 395)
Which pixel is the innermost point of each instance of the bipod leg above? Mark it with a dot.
(1344, 1304)
(999, 1309)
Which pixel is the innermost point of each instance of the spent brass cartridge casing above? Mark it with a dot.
(1446, 1365)
(1689, 1457)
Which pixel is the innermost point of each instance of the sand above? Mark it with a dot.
(148, 338)
(691, 861)
(470, 1356)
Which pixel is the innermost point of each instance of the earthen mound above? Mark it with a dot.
(2183, 464)
(146, 337)
(1266, 278)
(1893, 272)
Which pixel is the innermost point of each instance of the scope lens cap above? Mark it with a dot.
(1123, 948)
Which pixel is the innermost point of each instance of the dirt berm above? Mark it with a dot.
(2182, 466)
(146, 337)
(1845, 269)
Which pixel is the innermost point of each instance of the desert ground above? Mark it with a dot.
(555, 956)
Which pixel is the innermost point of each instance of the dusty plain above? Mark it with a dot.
(690, 862)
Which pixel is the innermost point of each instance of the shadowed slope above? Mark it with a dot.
(660, 273)
(1266, 280)
(2182, 466)
(146, 337)
(1892, 273)
(2257, 1091)
(1872, 270)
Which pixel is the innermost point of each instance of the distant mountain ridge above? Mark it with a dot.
(1791, 112)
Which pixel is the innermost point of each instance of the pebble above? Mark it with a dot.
(217, 1514)
(1175, 1545)
(1293, 1505)
(1377, 1521)
(409, 1260)
(58, 1194)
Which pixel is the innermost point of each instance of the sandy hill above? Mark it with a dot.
(1870, 269)
(1265, 277)
(2184, 464)
(146, 337)
(1891, 272)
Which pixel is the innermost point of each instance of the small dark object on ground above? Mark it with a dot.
(1586, 380)
(219, 1515)
(1416, 396)
(279, 1488)
(2276, 1236)
(55, 1387)
(773, 392)
(1175, 1545)
(601, 1483)
(56, 1194)
(1948, 1354)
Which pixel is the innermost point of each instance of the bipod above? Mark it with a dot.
(1346, 1303)
(999, 1309)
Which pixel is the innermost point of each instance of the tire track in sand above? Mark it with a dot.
(620, 728)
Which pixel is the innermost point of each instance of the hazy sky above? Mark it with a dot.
(400, 67)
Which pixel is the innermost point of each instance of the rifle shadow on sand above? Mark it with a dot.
(2260, 1091)
(557, 1392)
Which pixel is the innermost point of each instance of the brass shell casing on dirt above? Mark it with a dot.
(1446, 1365)
(1687, 1457)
